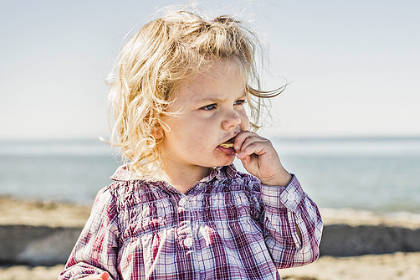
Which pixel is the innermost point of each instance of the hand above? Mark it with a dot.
(103, 276)
(260, 159)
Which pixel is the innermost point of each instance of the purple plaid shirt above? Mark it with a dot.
(228, 226)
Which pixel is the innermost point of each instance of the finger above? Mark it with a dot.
(254, 148)
(248, 148)
(250, 140)
(245, 160)
(240, 138)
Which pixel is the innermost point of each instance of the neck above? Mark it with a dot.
(183, 177)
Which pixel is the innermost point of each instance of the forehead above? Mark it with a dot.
(218, 80)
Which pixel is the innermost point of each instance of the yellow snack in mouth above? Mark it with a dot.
(227, 145)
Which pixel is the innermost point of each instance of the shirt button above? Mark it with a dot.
(188, 242)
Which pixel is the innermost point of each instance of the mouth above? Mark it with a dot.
(226, 145)
(229, 143)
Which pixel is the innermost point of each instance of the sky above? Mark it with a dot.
(352, 66)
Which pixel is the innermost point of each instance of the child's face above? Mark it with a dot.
(211, 111)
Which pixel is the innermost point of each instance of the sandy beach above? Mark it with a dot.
(404, 266)
(397, 265)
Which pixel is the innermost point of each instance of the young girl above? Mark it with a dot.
(178, 208)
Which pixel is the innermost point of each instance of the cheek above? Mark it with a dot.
(192, 136)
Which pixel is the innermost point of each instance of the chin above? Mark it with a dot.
(221, 159)
(226, 162)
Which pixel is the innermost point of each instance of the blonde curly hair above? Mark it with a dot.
(151, 65)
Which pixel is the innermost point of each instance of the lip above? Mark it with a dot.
(227, 151)
(229, 138)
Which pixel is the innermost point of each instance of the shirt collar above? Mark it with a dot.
(121, 174)
(222, 172)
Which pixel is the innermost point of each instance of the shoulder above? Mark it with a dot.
(126, 194)
(126, 190)
(104, 207)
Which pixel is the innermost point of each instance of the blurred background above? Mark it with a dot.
(347, 124)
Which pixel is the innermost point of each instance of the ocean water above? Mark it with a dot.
(376, 174)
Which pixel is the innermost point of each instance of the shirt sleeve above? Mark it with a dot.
(96, 249)
(284, 207)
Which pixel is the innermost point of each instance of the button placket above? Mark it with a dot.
(188, 242)
(184, 227)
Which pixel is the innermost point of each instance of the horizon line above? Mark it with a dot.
(284, 137)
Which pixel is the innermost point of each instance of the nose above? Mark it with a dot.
(231, 120)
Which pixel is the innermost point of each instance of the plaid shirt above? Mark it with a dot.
(228, 226)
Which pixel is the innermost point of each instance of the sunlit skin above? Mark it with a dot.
(210, 110)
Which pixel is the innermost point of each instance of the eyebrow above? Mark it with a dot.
(212, 99)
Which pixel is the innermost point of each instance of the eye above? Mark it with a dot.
(240, 102)
(208, 107)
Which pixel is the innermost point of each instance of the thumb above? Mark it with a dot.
(245, 160)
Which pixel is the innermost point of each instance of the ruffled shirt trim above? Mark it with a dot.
(122, 173)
